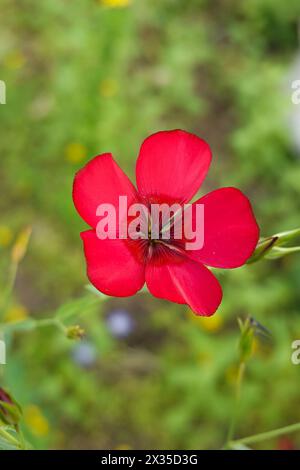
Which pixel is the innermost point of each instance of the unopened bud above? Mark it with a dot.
(10, 410)
(274, 247)
(75, 332)
(263, 247)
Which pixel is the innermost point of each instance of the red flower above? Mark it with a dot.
(170, 168)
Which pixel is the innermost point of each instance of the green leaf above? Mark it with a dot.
(5, 445)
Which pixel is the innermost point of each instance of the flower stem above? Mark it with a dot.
(267, 435)
(9, 288)
(32, 324)
(232, 425)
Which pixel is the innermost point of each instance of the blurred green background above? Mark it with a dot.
(91, 76)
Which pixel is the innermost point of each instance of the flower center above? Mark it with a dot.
(160, 242)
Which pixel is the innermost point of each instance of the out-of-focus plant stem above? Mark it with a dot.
(266, 435)
(234, 416)
(9, 288)
(32, 324)
(245, 347)
(76, 308)
(17, 254)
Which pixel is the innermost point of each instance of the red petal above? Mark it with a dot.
(111, 266)
(187, 282)
(230, 229)
(172, 165)
(100, 181)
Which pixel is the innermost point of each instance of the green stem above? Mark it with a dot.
(267, 435)
(32, 324)
(22, 440)
(77, 308)
(278, 251)
(9, 288)
(232, 425)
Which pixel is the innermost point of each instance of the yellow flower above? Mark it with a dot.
(36, 421)
(14, 60)
(6, 235)
(108, 87)
(16, 313)
(75, 152)
(210, 324)
(115, 3)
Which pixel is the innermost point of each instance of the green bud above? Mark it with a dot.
(271, 247)
(263, 247)
(75, 332)
(10, 410)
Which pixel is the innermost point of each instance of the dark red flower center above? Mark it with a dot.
(163, 246)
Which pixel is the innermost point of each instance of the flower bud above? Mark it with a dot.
(263, 247)
(10, 410)
(75, 332)
(271, 247)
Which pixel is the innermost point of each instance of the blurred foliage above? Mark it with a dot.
(91, 76)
